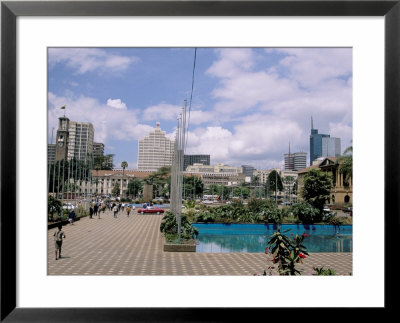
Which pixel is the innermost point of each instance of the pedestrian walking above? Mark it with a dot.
(58, 240)
(96, 208)
(128, 210)
(91, 212)
(115, 209)
(72, 217)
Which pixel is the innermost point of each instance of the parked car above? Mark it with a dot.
(68, 206)
(326, 209)
(228, 202)
(348, 210)
(207, 202)
(287, 203)
(151, 209)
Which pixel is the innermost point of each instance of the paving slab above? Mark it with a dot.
(134, 246)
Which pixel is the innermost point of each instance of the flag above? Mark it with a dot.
(63, 107)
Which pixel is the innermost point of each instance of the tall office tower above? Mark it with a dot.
(98, 149)
(80, 145)
(248, 170)
(62, 139)
(315, 143)
(331, 147)
(195, 159)
(295, 161)
(155, 150)
(51, 153)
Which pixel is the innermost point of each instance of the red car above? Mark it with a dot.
(151, 209)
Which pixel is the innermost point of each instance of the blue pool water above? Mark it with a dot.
(216, 238)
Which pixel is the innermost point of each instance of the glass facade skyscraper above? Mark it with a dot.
(322, 145)
(315, 143)
(331, 147)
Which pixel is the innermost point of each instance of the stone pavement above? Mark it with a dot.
(134, 246)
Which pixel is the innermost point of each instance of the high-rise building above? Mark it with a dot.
(195, 159)
(80, 144)
(155, 150)
(98, 149)
(248, 170)
(331, 147)
(295, 161)
(51, 153)
(315, 143)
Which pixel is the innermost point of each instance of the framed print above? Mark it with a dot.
(38, 34)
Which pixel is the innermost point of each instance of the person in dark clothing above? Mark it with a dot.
(96, 208)
(72, 217)
(91, 212)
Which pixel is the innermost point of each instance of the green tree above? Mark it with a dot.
(274, 182)
(317, 187)
(193, 186)
(115, 191)
(103, 162)
(160, 179)
(53, 206)
(213, 189)
(346, 165)
(135, 186)
(242, 191)
(124, 165)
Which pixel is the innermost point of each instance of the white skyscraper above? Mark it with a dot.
(80, 142)
(155, 150)
(331, 147)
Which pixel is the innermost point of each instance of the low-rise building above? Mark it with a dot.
(217, 169)
(341, 192)
(103, 181)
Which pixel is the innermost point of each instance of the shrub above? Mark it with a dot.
(204, 217)
(272, 215)
(287, 253)
(306, 213)
(324, 272)
(169, 225)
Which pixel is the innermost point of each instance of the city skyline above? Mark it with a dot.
(247, 105)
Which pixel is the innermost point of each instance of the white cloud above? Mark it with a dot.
(273, 106)
(162, 111)
(198, 117)
(83, 60)
(258, 138)
(117, 104)
(311, 66)
(109, 123)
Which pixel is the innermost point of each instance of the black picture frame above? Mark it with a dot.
(10, 10)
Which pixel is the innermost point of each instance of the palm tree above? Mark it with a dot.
(124, 165)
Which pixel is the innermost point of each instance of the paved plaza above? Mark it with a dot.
(134, 246)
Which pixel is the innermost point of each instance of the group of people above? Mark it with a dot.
(97, 208)
(94, 209)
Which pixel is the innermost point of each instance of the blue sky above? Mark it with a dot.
(248, 103)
